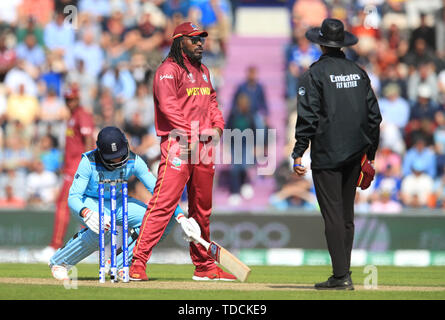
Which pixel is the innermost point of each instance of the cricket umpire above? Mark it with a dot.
(339, 115)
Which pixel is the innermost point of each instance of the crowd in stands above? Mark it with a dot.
(109, 50)
(402, 47)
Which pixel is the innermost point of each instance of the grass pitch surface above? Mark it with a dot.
(173, 282)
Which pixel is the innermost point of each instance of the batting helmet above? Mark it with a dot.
(112, 144)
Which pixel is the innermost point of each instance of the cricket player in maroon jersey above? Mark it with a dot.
(79, 139)
(189, 122)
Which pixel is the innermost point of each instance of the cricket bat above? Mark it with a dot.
(226, 259)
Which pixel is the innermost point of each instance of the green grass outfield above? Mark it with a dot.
(34, 281)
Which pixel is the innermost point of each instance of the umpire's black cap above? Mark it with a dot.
(112, 143)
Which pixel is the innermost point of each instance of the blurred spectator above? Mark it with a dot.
(90, 53)
(120, 82)
(438, 198)
(18, 77)
(61, 5)
(393, 107)
(142, 138)
(440, 31)
(98, 8)
(423, 80)
(422, 157)
(255, 93)
(394, 75)
(49, 153)
(52, 108)
(59, 37)
(309, 13)
(300, 54)
(175, 7)
(10, 201)
(388, 161)
(439, 142)
(30, 26)
(140, 69)
(41, 185)
(41, 10)
(387, 183)
(384, 203)
(441, 80)
(148, 34)
(419, 54)
(107, 110)
(86, 83)
(388, 180)
(361, 203)
(15, 155)
(7, 57)
(22, 107)
(417, 187)
(424, 107)
(30, 51)
(367, 34)
(241, 117)
(142, 104)
(116, 51)
(214, 16)
(394, 12)
(3, 108)
(16, 129)
(424, 32)
(9, 11)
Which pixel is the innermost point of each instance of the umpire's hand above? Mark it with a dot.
(298, 167)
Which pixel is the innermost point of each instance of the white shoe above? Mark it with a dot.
(60, 272)
(234, 200)
(45, 254)
(247, 191)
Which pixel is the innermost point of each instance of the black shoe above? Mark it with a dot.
(344, 283)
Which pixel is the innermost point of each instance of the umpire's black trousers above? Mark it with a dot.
(335, 190)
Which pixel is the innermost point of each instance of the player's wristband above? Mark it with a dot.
(81, 212)
(298, 165)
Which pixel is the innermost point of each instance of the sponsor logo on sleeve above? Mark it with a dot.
(165, 76)
(302, 91)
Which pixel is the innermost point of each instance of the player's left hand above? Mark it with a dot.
(189, 226)
(299, 169)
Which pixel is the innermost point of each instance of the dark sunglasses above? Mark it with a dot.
(196, 39)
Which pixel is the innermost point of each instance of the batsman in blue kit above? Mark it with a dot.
(112, 159)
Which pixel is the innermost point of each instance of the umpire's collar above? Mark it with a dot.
(334, 53)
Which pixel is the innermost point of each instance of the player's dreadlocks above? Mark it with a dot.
(176, 54)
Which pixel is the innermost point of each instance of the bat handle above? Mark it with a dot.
(203, 242)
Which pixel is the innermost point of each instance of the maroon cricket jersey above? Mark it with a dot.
(79, 126)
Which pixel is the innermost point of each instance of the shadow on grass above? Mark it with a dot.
(306, 287)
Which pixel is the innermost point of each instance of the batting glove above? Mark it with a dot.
(190, 227)
(91, 219)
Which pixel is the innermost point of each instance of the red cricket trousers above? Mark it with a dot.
(173, 175)
(62, 214)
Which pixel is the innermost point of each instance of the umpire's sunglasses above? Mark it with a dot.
(196, 39)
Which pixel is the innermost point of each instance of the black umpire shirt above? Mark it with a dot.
(337, 112)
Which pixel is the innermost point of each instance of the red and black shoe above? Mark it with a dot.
(137, 272)
(216, 274)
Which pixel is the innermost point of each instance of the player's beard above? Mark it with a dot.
(193, 55)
